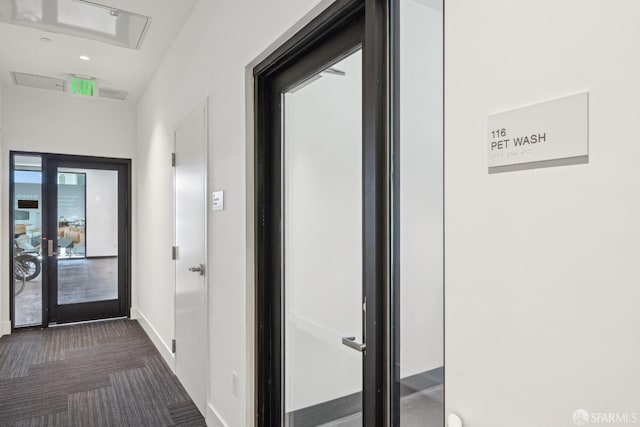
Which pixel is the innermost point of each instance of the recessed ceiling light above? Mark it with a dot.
(84, 58)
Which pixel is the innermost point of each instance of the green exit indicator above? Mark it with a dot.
(82, 87)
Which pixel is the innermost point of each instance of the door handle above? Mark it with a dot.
(198, 269)
(352, 343)
(50, 251)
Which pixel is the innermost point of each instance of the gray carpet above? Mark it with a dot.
(91, 375)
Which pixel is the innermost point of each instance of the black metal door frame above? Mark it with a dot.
(343, 26)
(51, 311)
(99, 309)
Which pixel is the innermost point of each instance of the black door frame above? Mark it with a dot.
(85, 311)
(333, 27)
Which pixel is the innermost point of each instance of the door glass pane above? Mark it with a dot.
(27, 235)
(322, 207)
(87, 235)
(421, 214)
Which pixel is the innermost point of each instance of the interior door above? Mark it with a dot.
(190, 254)
(319, 232)
(86, 239)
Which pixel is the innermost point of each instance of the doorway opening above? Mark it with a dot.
(349, 219)
(320, 231)
(71, 245)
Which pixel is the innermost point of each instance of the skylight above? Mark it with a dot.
(78, 18)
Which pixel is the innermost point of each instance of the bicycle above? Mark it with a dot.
(26, 267)
(18, 278)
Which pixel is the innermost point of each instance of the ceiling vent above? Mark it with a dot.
(78, 18)
(120, 95)
(40, 82)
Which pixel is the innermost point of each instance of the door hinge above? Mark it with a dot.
(174, 253)
(173, 159)
(173, 346)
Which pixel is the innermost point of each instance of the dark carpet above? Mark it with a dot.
(95, 374)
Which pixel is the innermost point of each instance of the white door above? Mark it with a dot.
(190, 240)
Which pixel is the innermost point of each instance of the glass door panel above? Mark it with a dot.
(87, 238)
(419, 215)
(87, 235)
(322, 216)
(27, 240)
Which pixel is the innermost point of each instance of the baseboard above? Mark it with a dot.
(5, 328)
(213, 418)
(162, 347)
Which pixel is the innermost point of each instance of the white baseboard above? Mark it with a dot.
(5, 328)
(214, 419)
(162, 347)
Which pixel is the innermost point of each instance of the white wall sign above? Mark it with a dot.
(557, 129)
(217, 200)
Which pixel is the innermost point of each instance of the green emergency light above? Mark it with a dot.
(82, 87)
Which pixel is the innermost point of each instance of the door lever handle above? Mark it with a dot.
(50, 251)
(352, 343)
(198, 269)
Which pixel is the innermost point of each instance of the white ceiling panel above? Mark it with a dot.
(123, 69)
(78, 18)
(38, 82)
(112, 94)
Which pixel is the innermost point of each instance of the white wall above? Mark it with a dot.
(51, 122)
(1, 88)
(5, 324)
(46, 121)
(208, 59)
(542, 271)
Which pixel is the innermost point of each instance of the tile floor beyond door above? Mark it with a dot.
(95, 374)
(80, 280)
(422, 409)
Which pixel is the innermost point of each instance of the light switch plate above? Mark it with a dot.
(217, 200)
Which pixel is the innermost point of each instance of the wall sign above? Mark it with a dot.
(28, 204)
(552, 130)
(217, 200)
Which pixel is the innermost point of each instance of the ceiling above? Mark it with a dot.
(119, 68)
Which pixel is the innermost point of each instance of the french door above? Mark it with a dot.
(80, 233)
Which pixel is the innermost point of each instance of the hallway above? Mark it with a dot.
(95, 374)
